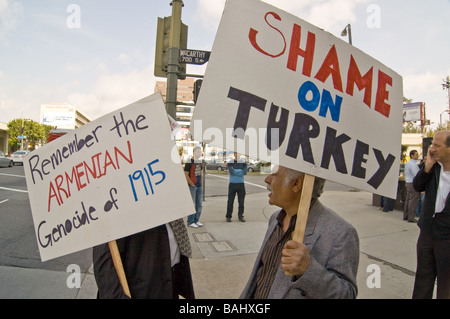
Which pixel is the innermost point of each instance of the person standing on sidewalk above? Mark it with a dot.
(237, 170)
(193, 170)
(323, 266)
(412, 196)
(433, 244)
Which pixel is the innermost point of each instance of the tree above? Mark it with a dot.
(410, 127)
(35, 133)
(443, 127)
(407, 101)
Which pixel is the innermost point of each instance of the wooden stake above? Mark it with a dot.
(303, 208)
(119, 266)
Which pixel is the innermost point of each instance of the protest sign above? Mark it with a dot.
(298, 95)
(108, 179)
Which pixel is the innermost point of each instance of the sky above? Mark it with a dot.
(99, 55)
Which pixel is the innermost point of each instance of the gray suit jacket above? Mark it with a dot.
(334, 248)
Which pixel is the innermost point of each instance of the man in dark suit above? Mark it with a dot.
(155, 262)
(433, 245)
(323, 266)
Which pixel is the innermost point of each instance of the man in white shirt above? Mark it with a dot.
(412, 197)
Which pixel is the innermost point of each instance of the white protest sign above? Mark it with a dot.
(111, 178)
(305, 99)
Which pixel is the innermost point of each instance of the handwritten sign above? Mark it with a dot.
(109, 179)
(321, 105)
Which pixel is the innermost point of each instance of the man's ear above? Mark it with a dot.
(298, 183)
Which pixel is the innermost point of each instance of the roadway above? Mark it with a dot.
(18, 246)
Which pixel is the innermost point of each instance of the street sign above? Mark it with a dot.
(194, 56)
(22, 137)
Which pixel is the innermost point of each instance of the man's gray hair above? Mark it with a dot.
(319, 183)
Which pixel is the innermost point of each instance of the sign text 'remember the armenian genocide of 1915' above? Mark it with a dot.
(110, 178)
(323, 106)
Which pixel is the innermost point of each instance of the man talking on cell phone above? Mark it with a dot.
(433, 245)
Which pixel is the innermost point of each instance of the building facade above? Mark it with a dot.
(4, 137)
(185, 94)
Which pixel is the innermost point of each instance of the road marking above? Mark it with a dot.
(13, 190)
(4, 201)
(13, 175)
(244, 181)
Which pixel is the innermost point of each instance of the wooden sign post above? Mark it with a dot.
(119, 267)
(303, 208)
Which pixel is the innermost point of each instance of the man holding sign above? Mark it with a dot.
(323, 266)
(155, 261)
(289, 91)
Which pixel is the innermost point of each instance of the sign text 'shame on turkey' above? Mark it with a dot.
(282, 90)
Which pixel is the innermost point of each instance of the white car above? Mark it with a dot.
(17, 156)
(5, 161)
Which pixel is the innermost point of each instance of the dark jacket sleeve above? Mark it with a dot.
(421, 180)
(105, 274)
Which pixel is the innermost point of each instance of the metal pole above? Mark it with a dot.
(349, 27)
(173, 61)
(446, 86)
(347, 30)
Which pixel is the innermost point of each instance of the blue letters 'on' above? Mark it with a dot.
(326, 103)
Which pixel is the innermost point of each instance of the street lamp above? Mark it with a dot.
(344, 33)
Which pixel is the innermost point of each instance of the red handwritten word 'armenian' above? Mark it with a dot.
(330, 66)
(81, 174)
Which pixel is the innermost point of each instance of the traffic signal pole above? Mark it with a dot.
(173, 65)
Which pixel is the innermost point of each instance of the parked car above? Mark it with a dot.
(17, 156)
(5, 161)
(253, 168)
(219, 166)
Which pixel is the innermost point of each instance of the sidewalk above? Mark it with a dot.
(224, 253)
(222, 264)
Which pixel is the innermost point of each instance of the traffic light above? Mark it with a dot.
(162, 47)
(197, 86)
